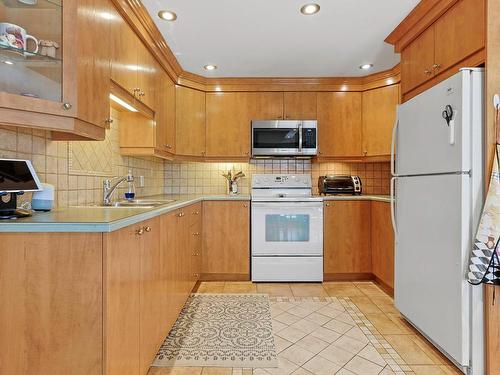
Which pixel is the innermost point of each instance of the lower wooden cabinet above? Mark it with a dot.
(347, 240)
(51, 315)
(382, 240)
(226, 240)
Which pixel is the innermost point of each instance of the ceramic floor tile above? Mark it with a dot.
(318, 318)
(285, 367)
(434, 370)
(326, 335)
(349, 344)
(336, 355)
(308, 290)
(302, 371)
(281, 343)
(365, 305)
(312, 344)
(245, 287)
(237, 371)
(287, 318)
(278, 326)
(342, 290)
(338, 326)
(387, 371)
(402, 324)
(362, 366)
(297, 354)
(371, 354)
(356, 334)
(281, 290)
(344, 372)
(291, 334)
(384, 325)
(321, 366)
(306, 325)
(211, 287)
(216, 371)
(299, 311)
(175, 371)
(332, 311)
(430, 350)
(247, 371)
(409, 350)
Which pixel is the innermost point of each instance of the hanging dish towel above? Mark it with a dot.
(484, 266)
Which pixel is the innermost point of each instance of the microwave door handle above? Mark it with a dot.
(300, 137)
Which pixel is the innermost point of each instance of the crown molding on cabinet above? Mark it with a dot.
(419, 19)
(134, 12)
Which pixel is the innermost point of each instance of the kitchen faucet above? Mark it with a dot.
(109, 187)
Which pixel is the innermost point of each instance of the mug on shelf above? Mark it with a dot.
(15, 36)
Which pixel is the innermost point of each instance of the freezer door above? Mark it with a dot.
(433, 220)
(425, 143)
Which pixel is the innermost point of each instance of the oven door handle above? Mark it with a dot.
(300, 137)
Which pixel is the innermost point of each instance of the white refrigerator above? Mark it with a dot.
(437, 189)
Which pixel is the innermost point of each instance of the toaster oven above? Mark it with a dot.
(332, 184)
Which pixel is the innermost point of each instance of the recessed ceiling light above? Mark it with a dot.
(167, 15)
(210, 67)
(366, 66)
(8, 62)
(310, 9)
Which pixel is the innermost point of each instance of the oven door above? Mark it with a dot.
(276, 138)
(287, 228)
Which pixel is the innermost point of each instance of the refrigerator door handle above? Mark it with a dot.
(393, 207)
(393, 145)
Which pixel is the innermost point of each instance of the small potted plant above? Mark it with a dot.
(232, 180)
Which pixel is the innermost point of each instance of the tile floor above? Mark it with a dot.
(339, 328)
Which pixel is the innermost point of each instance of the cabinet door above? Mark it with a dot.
(151, 293)
(347, 237)
(417, 61)
(226, 239)
(195, 231)
(459, 33)
(300, 105)
(147, 68)
(379, 114)
(124, 54)
(265, 105)
(122, 314)
(165, 113)
(190, 122)
(229, 117)
(339, 124)
(382, 240)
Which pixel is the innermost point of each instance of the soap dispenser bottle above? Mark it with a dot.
(130, 193)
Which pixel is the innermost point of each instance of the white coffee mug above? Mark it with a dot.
(16, 37)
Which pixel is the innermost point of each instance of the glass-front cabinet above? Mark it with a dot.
(55, 65)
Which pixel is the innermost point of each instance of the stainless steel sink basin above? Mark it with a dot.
(145, 203)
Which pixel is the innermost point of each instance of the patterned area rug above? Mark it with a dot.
(223, 330)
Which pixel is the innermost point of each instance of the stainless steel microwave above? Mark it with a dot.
(285, 138)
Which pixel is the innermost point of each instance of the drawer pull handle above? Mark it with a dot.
(139, 232)
(181, 214)
(196, 234)
(147, 229)
(196, 212)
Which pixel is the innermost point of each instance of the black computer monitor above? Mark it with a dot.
(17, 176)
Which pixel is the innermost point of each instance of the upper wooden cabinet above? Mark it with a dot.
(165, 113)
(66, 89)
(339, 124)
(229, 118)
(417, 61)
(454, 40)
(459, 33)
(300, 106)
(133, 67)
(379, 114)
(190, 122)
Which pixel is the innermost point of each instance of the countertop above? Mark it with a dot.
(108, 219)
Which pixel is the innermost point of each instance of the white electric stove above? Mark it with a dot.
(287, 229)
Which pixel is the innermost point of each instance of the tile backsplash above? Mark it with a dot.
(77, 169)
(205, 178)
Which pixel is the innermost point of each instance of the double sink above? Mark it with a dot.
(135, 203)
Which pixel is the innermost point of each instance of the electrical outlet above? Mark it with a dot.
(141, 181)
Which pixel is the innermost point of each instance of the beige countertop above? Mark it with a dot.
(108, 219)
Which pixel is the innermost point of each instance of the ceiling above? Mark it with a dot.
(271, 38)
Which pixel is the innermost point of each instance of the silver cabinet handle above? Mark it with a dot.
(139, 232)
(67, 106)
(147, 228)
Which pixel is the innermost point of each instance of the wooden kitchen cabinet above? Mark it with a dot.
(417, 60)
(265, 105)
(347, 240)
(190, 122)
(68, 93)
(382, 242)
(339, 124)
(300, 105)
(379, 115)
(226, 240)
(51, 318)
(459, 33)
(454, 40)
(147, 69)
